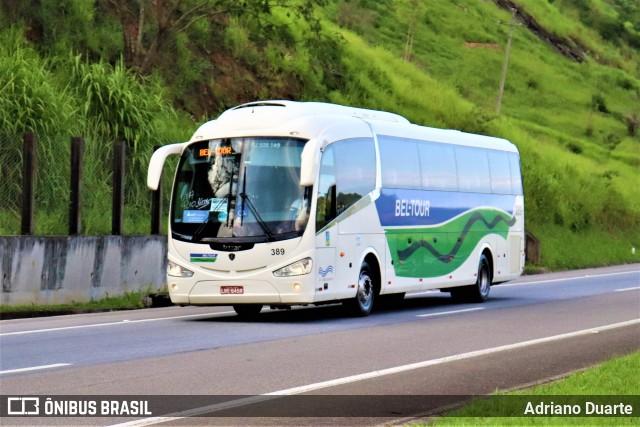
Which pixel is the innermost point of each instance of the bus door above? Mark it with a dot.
(326, 229)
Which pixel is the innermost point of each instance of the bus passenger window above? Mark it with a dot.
(516, 178)
(500, 171)
(347, 173)
(473, 170)
(438, 166)
(399, 162)
(356, 170)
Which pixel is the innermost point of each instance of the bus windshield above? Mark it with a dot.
(240, 190)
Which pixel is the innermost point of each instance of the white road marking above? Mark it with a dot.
(369, 375)
(122, 322)
(569, 278)
(628, 289)
(34, 368)
(440, 313)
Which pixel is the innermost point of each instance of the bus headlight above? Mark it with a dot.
(176, 270)
(298, 268)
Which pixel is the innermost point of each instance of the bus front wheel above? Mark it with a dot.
(362, 304)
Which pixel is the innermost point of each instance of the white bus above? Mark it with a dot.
(285, 203)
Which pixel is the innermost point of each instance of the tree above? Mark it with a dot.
(149, 25)
(409, 13)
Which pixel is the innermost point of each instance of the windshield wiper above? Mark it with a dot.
(244, 191)
(252, 208)
(257, 216)
(255, 213)
(196, 237)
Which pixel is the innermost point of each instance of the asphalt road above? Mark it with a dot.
(530, 330)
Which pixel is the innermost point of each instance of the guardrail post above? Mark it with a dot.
(28, 182)
(75, 197)
(117, 211)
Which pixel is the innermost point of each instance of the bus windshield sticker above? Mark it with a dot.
(219, 204)
(195, 216)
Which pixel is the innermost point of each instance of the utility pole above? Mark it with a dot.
(506, 60)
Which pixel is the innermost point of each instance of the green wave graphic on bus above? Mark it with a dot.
(440, 250)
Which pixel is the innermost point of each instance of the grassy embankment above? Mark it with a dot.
(128, 301)
(617, 377)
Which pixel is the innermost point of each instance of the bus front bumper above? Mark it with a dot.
(294, 290)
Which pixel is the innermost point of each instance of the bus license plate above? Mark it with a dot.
(232, 290)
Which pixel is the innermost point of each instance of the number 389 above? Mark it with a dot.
(277, 251)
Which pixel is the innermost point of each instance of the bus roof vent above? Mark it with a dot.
(259, 104)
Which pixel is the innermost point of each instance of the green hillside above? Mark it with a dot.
(574, 122)
(108, 69)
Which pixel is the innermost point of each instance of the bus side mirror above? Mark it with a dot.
(157, 161)
(309, 159)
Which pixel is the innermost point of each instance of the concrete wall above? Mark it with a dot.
(57, 270)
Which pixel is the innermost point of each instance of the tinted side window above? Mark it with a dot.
(438, 164)
(473, 170)
(399, 162)
(355, 170)
(516, 178)
(325, 210)
(500, 171)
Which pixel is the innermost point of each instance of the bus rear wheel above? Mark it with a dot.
(247, 310)
(479, 292)
(362, 304)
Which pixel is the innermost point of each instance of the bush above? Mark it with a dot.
(598, 103)
(31, 99)
(64, 97)
(633, 123)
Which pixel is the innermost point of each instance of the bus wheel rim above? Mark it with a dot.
(365, 290)
(484, 280)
